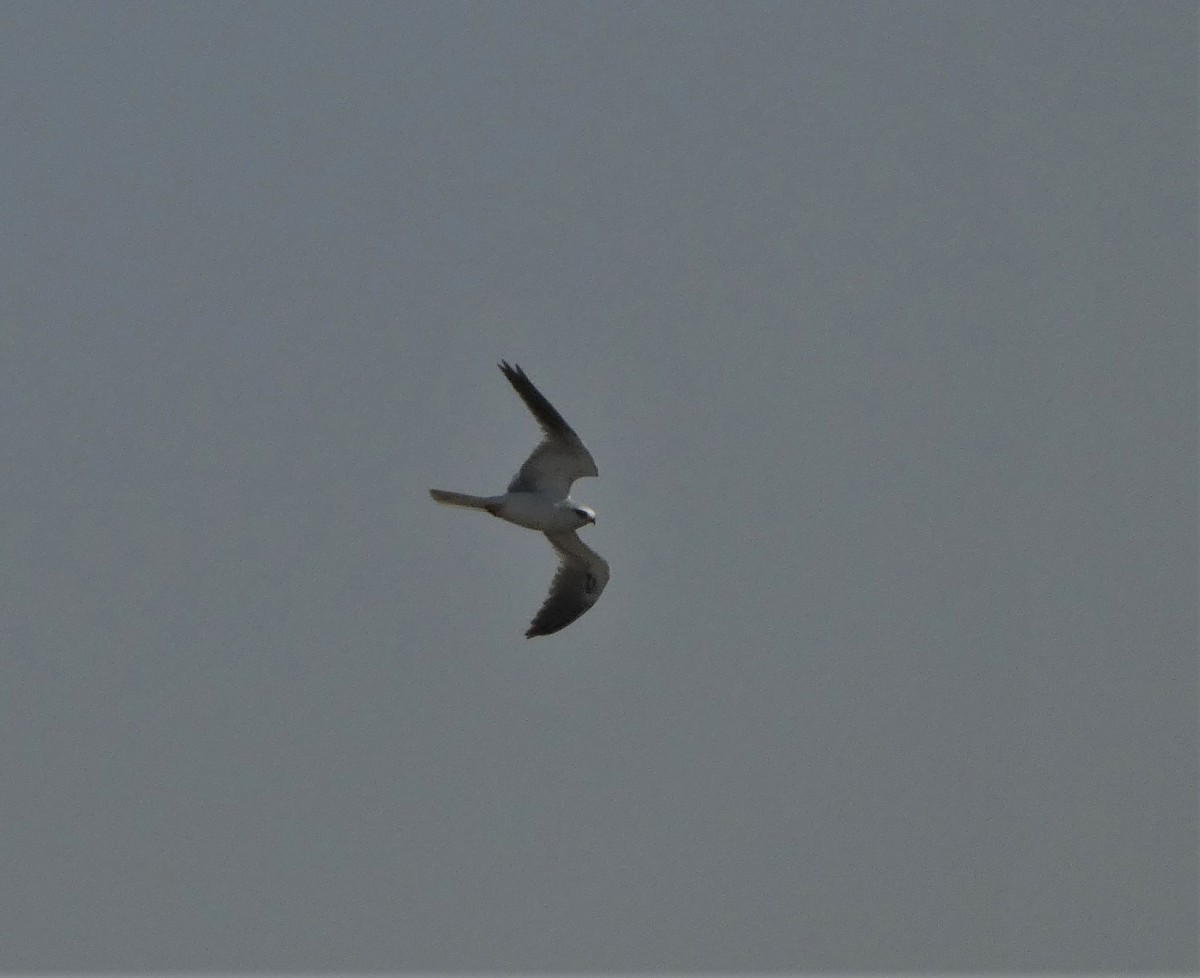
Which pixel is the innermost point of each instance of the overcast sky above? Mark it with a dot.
(880, 320)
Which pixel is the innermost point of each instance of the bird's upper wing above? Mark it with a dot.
(581, 576)
(561, 458)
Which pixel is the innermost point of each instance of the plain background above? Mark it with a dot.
(880, 321)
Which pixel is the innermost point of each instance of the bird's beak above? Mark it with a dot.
(592, 520)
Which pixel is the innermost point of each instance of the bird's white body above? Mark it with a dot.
(532, 510)
(538, 511)
(538, 498)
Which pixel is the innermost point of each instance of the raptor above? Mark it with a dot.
(539, 498)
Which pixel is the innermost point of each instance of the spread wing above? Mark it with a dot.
(581, 576)
(561, 458)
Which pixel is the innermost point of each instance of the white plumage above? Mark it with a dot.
(538, 497)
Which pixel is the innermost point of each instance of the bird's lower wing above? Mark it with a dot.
(581, 577)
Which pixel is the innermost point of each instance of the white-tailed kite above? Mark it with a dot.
(539, 498)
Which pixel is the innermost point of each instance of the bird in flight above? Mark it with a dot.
(539, 498)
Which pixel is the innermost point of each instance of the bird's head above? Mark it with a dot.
(585, 513)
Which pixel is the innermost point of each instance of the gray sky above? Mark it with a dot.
(880, 321)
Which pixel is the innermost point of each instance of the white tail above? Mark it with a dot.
(464, 500)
